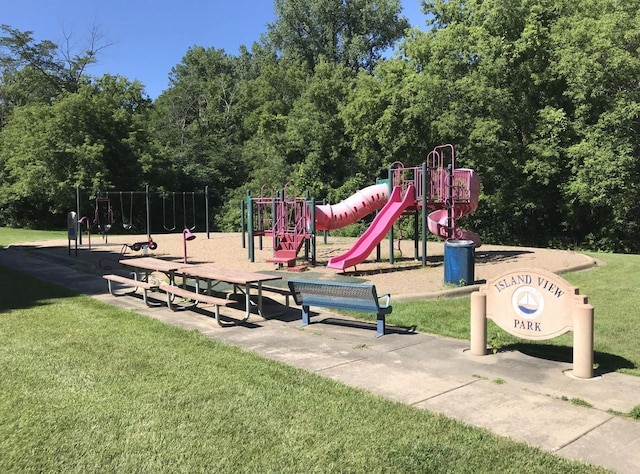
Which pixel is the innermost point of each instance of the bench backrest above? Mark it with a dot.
(354, 296)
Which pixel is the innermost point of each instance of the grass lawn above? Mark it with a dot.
(611, 288)
(88, 387)
(9, 235)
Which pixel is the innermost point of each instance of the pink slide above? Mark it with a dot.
(437, 223)
(378, 229)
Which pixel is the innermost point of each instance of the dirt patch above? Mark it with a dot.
(405, 278)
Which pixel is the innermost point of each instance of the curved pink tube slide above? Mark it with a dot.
(352, 209)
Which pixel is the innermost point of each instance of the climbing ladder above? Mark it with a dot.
(290, 228)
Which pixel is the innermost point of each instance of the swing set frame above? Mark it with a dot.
(104, 217)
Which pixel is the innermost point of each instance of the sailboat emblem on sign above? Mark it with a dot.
(527, 302)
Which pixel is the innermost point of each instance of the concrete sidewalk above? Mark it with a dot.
(511, 394)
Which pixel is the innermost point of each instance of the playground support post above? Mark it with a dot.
(312, 229)
(449, 201)
(391, 259)
(424, 214)
(307, 244)
(243, 224)
(250, 227)
(416, 250)
(206, 209)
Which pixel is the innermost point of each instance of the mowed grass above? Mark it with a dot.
(612, 289)
(10, 235)
(88, 387)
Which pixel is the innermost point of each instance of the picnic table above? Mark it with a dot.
(212, 275)
(152, 264)
(241, 281)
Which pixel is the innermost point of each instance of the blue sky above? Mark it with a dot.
(148, 37)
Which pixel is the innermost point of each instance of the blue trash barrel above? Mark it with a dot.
(459, 262)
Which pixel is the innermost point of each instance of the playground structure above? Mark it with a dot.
(100, 214)
(437, 191)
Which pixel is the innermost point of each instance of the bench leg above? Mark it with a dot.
(220, 323)
(380, 326)
(173, 306)
(122, 292)
(146, 299)
(305, 316)
(169, 302)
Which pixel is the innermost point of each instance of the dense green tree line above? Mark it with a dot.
(540, 97)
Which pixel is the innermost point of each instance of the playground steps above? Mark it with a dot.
(287, 250)
(298, 269)
(290, 262)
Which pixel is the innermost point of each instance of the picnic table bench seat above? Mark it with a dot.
(195, 298)
(133, 282)
(344, 296)
(277, 290)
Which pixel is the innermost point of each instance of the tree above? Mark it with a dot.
(541, 99)
(95, 138)
(352, 33)
(199, 119)
(488, 67)
(597, 58)
(33, 71)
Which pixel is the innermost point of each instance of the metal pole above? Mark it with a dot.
(307, 225)
(424, 213)
(415, 236)
(391, 260)
(250, 227)
(146, 199)
(78, 224)
(449, 202)
(242, 223)
(206, 209)
(325, 233)
(312, 212)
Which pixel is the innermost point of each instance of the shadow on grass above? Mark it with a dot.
(21, 291)
(605, 362)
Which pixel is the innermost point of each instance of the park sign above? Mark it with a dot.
(534, 304)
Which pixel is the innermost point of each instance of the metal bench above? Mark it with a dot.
(345, 296)
(132, 282)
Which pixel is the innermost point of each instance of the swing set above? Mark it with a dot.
(104, 218)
